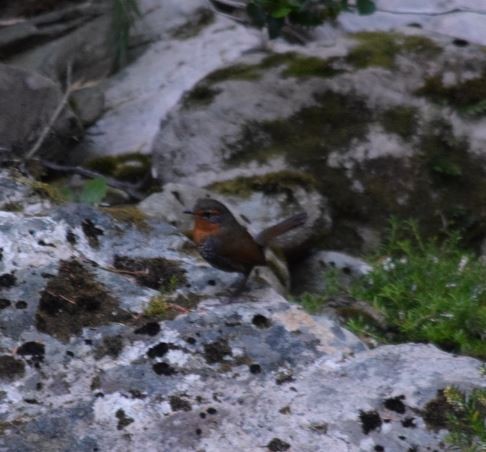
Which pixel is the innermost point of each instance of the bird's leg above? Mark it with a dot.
(240, 285)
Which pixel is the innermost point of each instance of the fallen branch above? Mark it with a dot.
(130, 189)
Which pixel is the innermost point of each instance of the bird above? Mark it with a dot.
(227, 245)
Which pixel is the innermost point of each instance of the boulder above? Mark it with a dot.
(77, 34)
(96, 354)
(310, 273)
(382, 123)
(186, 42)
(29, 101)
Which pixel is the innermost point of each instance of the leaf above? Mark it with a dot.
(281, 11)
(366, 7)
(94, 191)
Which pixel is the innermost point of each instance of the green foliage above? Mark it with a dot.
(92, 192)
(314, 303)
(274, 14)
(157, 307)
(125, 12)
(466, 419)
(427, 291)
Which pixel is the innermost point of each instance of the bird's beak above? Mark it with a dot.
(189, 212)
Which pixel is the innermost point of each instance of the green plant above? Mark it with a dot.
(157, 307)
(428, 291)
(92, 192)
(274, 14)
(125, 12)
(466, 419)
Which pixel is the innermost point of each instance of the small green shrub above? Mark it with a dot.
(466, 419)
(428, 291)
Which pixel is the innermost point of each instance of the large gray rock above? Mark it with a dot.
(186, 43)
(88, 362)
(79, 34)
(373, 108)
(29, 101)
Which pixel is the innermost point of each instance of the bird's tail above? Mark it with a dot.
(266, 236)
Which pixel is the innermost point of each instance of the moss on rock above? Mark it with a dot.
(466, 97)
(129, 167)
(381, 48)
(278, 182)
(401, 121)
(308, 136)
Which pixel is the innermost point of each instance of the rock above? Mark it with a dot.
(90, 302)
(187, 43)
(79, 34)
(309, 274)
(28, 103)
(351, 117)
(88, 104)
(445, 17)
(19, 194)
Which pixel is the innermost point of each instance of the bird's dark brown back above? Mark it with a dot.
(226, 244)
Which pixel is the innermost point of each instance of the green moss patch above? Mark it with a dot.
(130, 167)
(401, 121)
(72, 300)
(307, 137)
(298, 65)
(468, 97)
(381, 48)
(278, 182)
(201, 95)
(247, 72)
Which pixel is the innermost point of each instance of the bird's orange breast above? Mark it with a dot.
(203, 229)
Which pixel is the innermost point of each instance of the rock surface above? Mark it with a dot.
(28, 103)
(188, 43)
(93, 353)
(347, 120)
(79, 34)
(456, 18)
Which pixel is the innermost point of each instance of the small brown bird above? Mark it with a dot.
(226, 244)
